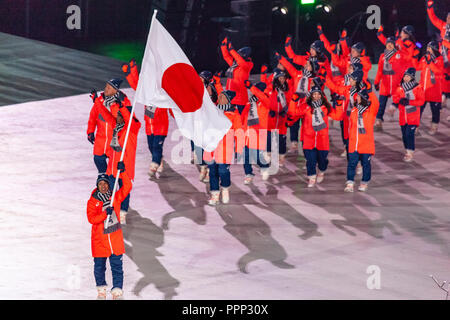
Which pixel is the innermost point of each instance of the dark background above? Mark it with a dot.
(118, 28)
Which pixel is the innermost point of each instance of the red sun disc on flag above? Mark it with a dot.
(184, 86)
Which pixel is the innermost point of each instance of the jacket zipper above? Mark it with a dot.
(106, 140)
(357, 134)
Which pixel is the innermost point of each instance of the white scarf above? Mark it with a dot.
(253, 118)
(318, 122)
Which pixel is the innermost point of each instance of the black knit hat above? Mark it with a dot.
(245, 52)
(261, 86)
(206, 75)
(409, 30)
(278, 73)
(115, 83)
(364, 94)
(359, 46)
(318, 46)
(433, 45)
(390, 40)
(357, 66)
(357, 75)
(229, 94)
(315, 89)
(103, 177)
(410, 72)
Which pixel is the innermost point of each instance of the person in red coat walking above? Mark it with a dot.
(156, 122)
(405, 42)
(444, 29)
(106, 235)
(361, 138)
(99, 132)
(316, 145)
(432, 66)
(391, 67)
(120, 124)
(220, 159)
(409, 97)
(255, 124)
(240, 64)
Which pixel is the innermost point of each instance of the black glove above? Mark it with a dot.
(288, 41)
(120, 96)
(109, 211)
(447, 76)
(121, 166)
(91, 137)
(319, 29)
(224, 42)
(272, 113)
(377, 86)
(93, 95)
(230, 46)
(277, 57)
(282, 113)
(248, 84)
(404, 101)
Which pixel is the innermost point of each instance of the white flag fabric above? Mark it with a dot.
(168, 80)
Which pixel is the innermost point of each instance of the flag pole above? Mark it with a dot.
(127, 134)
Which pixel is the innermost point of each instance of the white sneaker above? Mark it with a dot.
(359, 169)
(312, 181)
(320, 176)
(294, 146)
(448, 118)
(343, 154)
(408, 156)
(433, 129)
(206, 178)
(349, 187)
(153, 169)
(117, 294)
(225, 195)
(282, 160)
(248, 179)
(203, 173)
(265, 174)
(101, 293)
(391, 110)
(161, 167)
(214, 198)
(378, 125)
(363, 187)
(123, 217)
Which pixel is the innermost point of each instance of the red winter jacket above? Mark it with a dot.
(256, 135)
(431, 78)
(103, 245)
(442, 26)
(238, 72)
(316, 139)
(232, 142)
(103, 134)
(416, 99)
(279, 120)
(390, 79)
(156, 123)
(363, 143)
(130, 152)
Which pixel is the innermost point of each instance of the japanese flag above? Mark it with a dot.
(168, 80)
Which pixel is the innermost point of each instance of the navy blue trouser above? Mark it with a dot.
(253, 156)
(294, 130)
(155, 144)
(353, 159)
(219, 173)
(383, 100)
(315, 158)
(240, 108)
(116, 269)
(100, 163)
(126, 202)
(281, 143)
(435, 111)
(409, 137)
